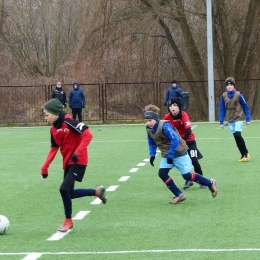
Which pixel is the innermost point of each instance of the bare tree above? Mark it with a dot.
(161, 39)
(127, 41)
(236, 35)
(41, 34)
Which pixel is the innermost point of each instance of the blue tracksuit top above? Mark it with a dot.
(222, 107)
(77, 98)
(172, 136)
(172, 92)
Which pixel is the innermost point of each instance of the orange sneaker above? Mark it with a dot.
(66, 225)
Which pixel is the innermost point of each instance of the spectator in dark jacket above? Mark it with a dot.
(77, 101)
(174, 91)
(60, 94)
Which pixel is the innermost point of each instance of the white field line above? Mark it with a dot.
(58, 235)
(32, 256)
(134, 252)
(112, 188)
(96, 201)
(81, 214)
(134, 170)
(141, 164)
(124, 178)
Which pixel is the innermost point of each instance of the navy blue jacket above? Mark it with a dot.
(173, 92)
(77, 97)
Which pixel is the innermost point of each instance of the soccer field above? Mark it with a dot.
(137, 222)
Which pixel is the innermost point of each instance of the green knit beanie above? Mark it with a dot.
(53, 106)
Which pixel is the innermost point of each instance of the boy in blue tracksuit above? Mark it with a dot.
(174, 154)
(77, 101)
(234, 107)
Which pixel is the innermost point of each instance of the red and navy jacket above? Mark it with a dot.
(71, 137)
(182, 124)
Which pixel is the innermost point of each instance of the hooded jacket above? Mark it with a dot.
(173, 92)
(77, 97)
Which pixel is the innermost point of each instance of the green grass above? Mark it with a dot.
(137, 222)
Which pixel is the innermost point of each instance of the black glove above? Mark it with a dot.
(152, 158)
(83, 106)
(74, 158)
(44, 172)
(169, 160)
(64, 105)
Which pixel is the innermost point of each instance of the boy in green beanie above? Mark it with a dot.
(72, 138)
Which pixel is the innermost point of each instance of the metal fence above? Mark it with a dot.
(117, 102)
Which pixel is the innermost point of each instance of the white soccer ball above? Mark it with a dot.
(4, 224)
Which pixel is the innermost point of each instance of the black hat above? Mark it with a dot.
(175, 101)
(230, 83)
(230, 80)
(174, 82)
(53, 106)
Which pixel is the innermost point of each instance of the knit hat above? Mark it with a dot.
(174, 82)
(230, 80)
(53, 106)
(175, 101)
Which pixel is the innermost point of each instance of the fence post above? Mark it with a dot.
(102, 103)
(156, 93)
(48, 94)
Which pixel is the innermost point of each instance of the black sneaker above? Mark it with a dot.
(187, 185)
(100, 193)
